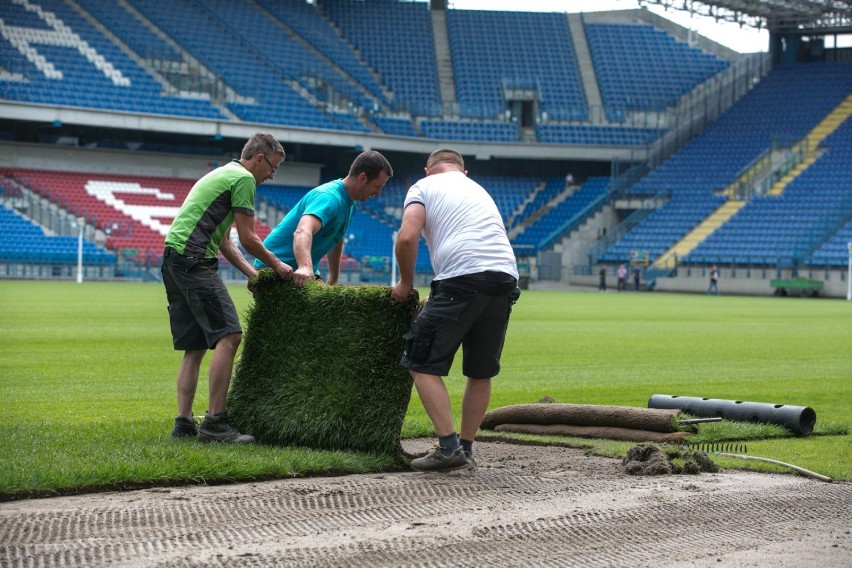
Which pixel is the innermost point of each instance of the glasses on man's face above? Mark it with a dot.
(273, 168)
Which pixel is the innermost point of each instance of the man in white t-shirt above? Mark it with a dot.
(475, 286)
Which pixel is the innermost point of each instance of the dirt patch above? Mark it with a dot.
(523, 506)
(650, 459)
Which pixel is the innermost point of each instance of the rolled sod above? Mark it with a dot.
(653, 420)
(320, 366)
(608, 432)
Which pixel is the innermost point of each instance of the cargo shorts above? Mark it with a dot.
(471, 312)
(201, 311)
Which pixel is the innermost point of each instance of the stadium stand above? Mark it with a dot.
(471, 130)
(492, 51)
(595, 135)
(283, 197)
(318, 66)
(403, 53)
(508, 192)
(132, 212)
(309, 23)
(387, 206)
(298, 63)
(835, 177)
(395, 126)
(834, 251)
(265, 73)
(74, 68)
(791, 226)
(787, 104)
(552, 188)
(25, 242)
(552, 219)
(627, 63)
(664, 227)
(139, 38)
(337, 67)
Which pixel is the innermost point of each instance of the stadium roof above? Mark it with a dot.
(819, 16)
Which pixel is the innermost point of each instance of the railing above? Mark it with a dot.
(666, 262)
(792, 257)
(574, 221)
(694, 112)
(618, 185)
(706, 103)
(759, 175)
(650, 274)
(52, 215)
(649, 205)
(743, 188)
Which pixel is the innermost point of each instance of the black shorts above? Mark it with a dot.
(200, 309)
(470, 311)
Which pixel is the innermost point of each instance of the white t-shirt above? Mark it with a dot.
(464, 229)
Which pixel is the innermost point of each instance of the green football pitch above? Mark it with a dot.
(87, 377)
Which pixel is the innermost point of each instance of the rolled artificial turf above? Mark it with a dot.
(320, 366)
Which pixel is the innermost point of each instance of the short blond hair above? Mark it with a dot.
(447, 156)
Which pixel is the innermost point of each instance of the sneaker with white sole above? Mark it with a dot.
(436, 461)
(470, 458)
(217, 428)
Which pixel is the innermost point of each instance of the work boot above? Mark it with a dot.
(436, 461)
(470, 458)
(217, 428)
(184, 427)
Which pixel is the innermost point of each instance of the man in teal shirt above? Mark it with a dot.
(201, 313)
(315, 227)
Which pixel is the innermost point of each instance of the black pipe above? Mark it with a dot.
(798, 419)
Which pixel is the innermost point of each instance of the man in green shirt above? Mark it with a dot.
(201, 313)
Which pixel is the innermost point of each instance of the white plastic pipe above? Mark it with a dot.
(393, 259)
(80, 226)
(849, 275)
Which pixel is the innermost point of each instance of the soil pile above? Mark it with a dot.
(650, 459)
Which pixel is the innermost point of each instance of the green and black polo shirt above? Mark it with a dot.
(208, 212)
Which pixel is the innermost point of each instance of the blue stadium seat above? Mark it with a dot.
(80, 81)
(551, 221)
(627, 63)
(793, 227)
(402, 53)
(25, 242)
(493, 50)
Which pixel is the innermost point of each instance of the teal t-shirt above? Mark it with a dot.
(208, 211)
(330, 203)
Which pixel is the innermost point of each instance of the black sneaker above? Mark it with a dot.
(436, 461)
(184, 427)
(217, 428)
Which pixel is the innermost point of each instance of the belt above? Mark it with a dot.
(172, 252)
(490, 282)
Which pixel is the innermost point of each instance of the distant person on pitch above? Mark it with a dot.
(621, 273)
(714, 280)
